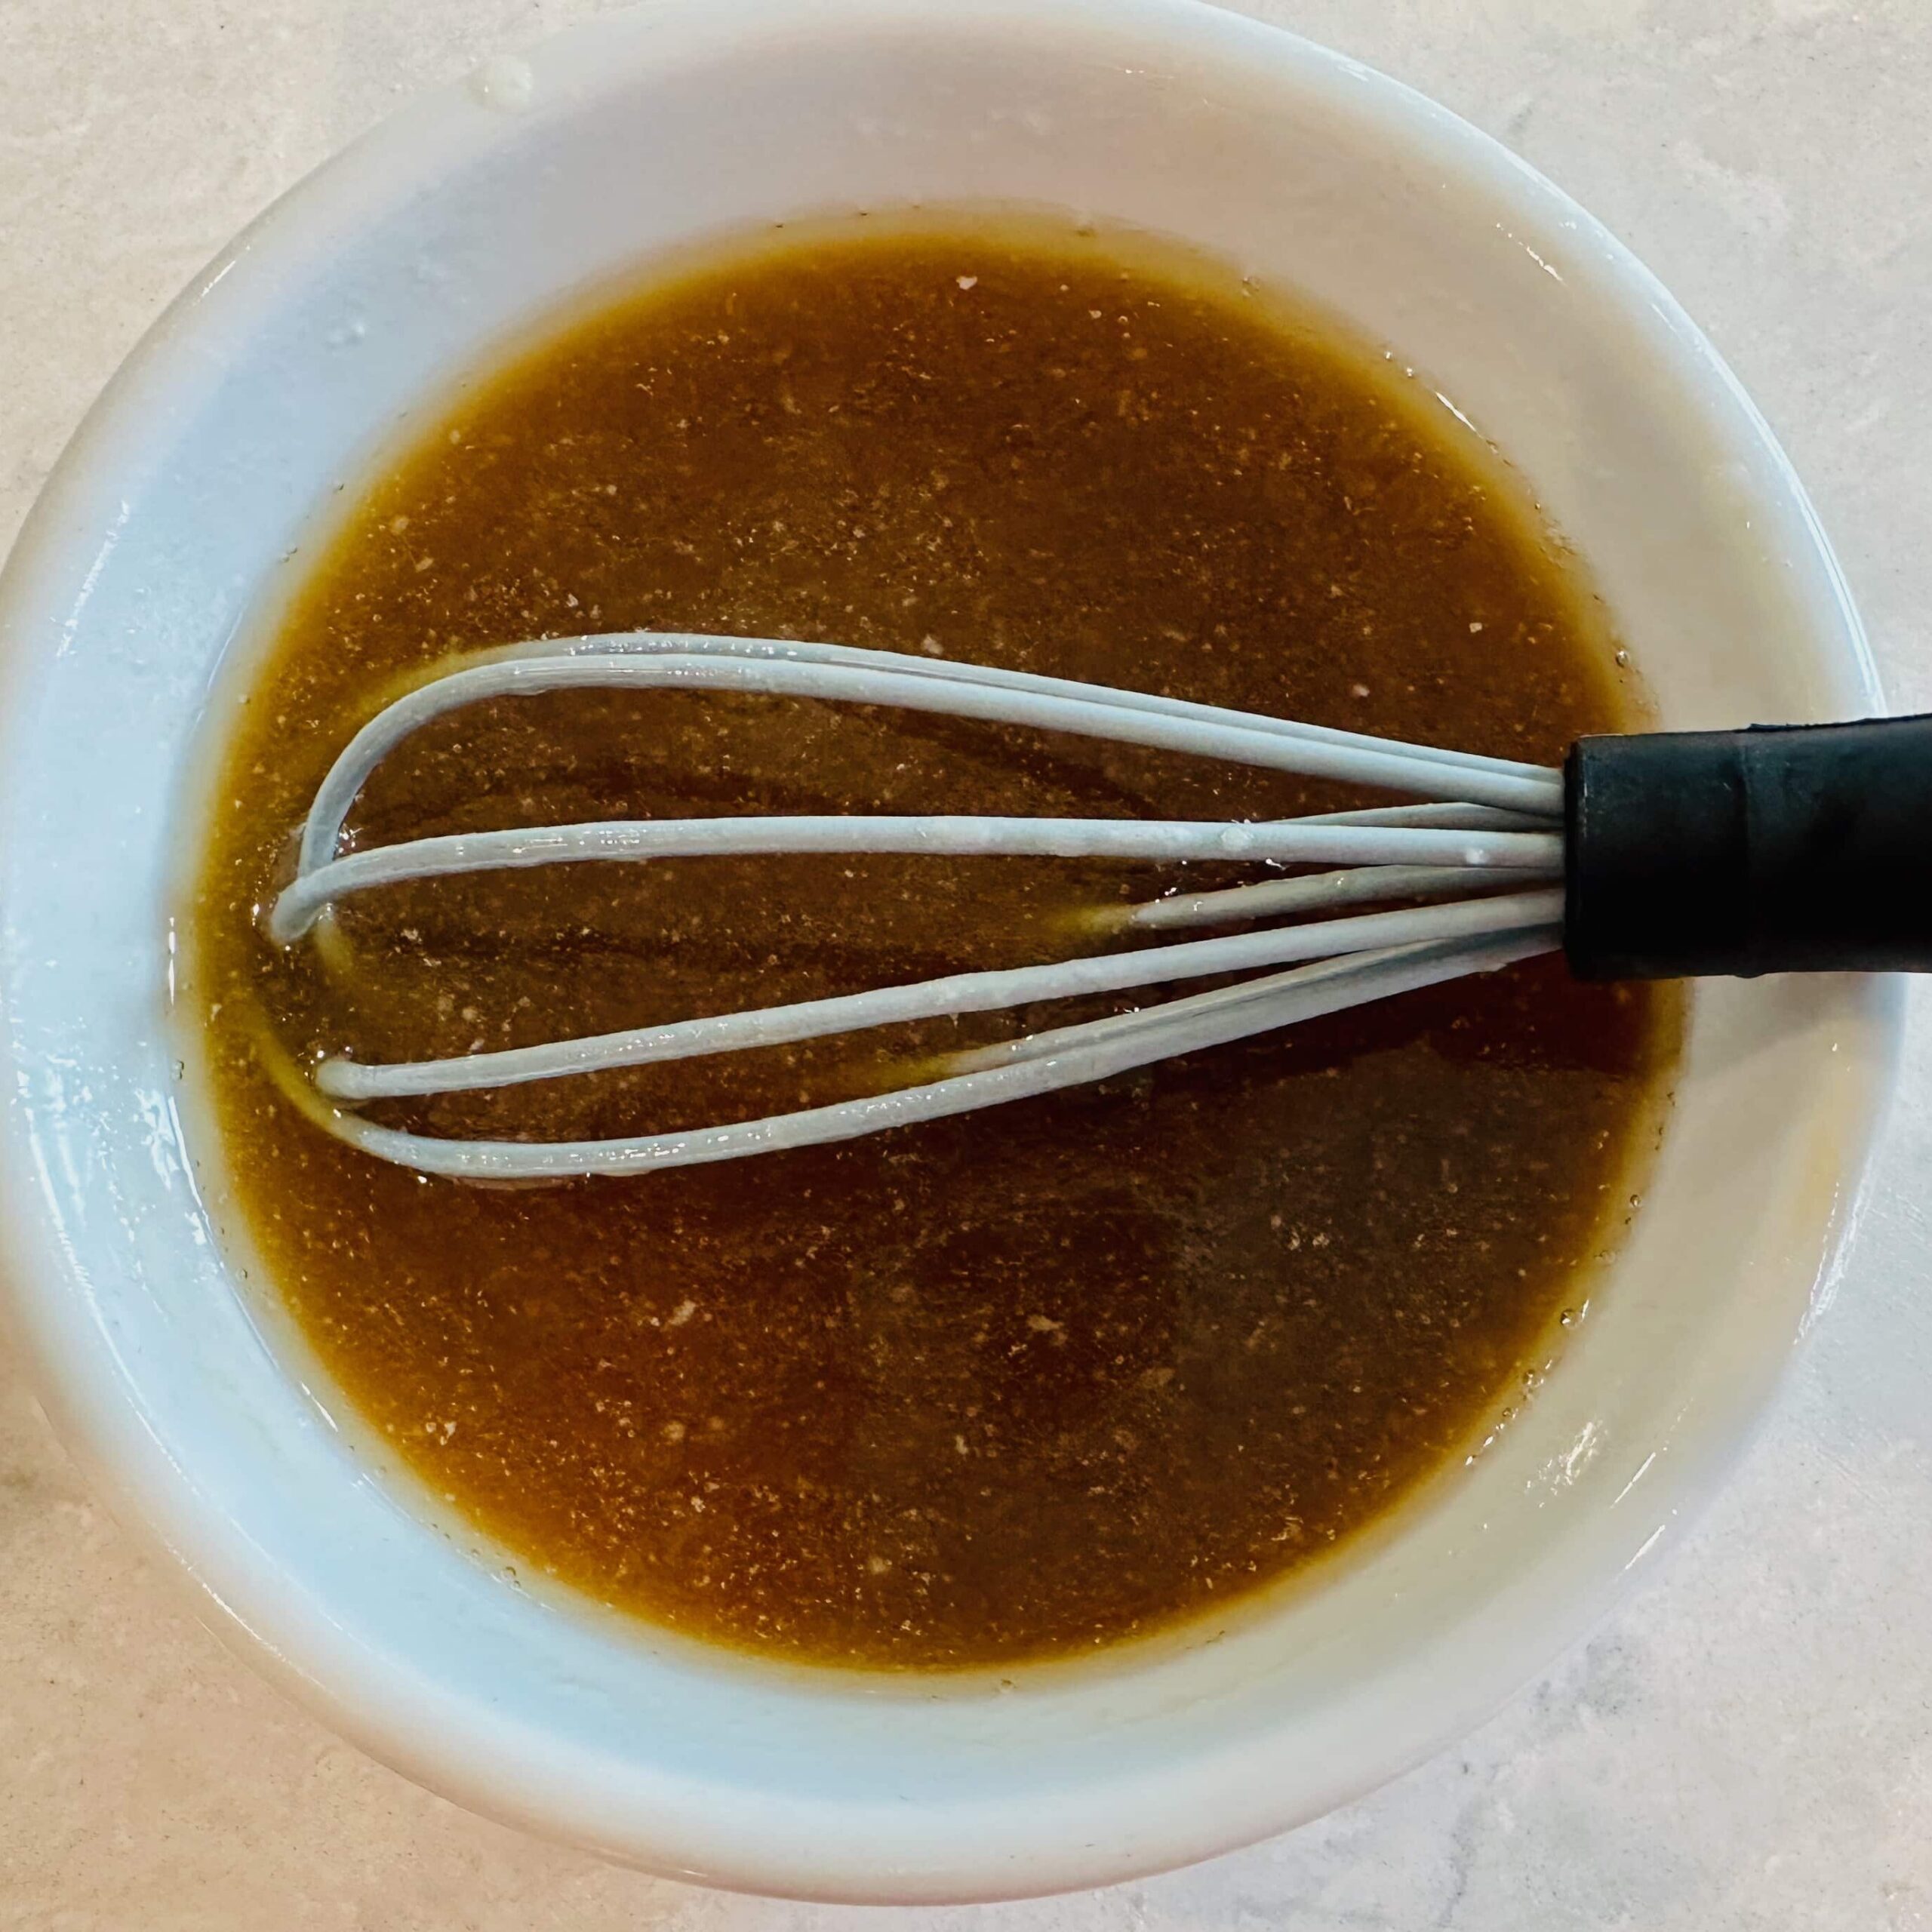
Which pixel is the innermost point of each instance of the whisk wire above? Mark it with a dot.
(928, 999)
(1305, 993)
(1483, 824)
(845, 674)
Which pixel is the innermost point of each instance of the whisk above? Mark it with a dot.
(1648, 856)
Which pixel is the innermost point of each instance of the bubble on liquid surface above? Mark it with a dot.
(504, 80)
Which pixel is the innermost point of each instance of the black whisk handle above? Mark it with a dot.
(1795, 848)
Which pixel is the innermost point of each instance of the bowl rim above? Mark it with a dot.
(379, 1701)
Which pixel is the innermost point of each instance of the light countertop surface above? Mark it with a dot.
(1749, 1744)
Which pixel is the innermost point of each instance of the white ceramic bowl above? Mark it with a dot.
(270, 382)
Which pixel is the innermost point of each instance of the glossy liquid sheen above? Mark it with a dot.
(1005, 1386)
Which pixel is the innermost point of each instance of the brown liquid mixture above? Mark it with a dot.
(1001, 1386)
